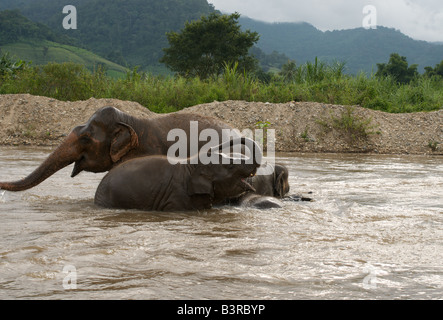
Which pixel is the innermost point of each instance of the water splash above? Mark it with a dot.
(2, 196)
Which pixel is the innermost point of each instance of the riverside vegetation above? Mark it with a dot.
(210, 66)
(315, 82)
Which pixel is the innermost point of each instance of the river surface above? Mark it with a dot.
(374, 231)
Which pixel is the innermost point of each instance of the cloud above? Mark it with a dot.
(419, 19)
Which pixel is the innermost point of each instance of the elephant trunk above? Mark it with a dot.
(63, 156)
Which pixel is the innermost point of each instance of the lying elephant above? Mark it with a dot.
(153, 183)
(111, 137)
(272, 184)
(271, 188)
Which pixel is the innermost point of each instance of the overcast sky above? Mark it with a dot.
(419, 19)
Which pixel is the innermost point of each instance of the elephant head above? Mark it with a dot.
(96, 146)
(228, 176)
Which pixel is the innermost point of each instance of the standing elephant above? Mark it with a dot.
(111, 137)
(153, 183)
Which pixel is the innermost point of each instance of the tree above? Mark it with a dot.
(398, 68)
(204, 46)
(289, 71)
(437, 71)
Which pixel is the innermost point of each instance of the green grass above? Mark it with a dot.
(316, 83)
(44, 52)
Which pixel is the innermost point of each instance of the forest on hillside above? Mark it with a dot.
(15, 27)
(359, 48)
(133, 33)
(128, 32)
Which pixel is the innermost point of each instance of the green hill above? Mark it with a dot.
(130, 32)
(361, 49)
(44, 51)
(35, 42)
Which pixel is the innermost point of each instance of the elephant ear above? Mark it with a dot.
(124, 139)
(200, 183)
(279, 185)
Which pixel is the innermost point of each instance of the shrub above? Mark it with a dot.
(352, 126)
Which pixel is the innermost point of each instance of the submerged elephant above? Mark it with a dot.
(271, 188)
(111, 137)
(274, 181)
(272, 184)
(153, 183)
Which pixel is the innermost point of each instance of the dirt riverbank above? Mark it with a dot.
(299, 126)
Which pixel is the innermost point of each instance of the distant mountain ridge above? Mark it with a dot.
(360, 48)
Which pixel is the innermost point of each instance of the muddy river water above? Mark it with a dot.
(374, 231)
